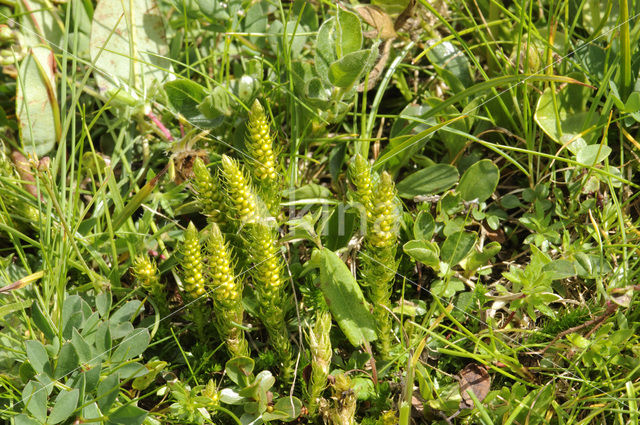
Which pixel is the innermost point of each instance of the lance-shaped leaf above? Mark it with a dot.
(344, 297)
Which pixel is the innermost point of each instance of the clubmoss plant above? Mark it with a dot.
(343, 410)
(262, 250)
(378, 263)
(227, 294)
(193, 279)
(361, 177)
(145, 272)
(320, 347)
(270, 286)
(209, 192)
(241, 199)
(259, 145)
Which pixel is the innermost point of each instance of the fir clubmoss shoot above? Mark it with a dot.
(241, 196)
(259, 145)
(192, 266)
(378, 259)
(227, 294)
(360, 174)
(208, 192)
(145, 272)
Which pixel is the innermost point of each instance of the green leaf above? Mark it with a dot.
(564, 117)
(142, 382)
(129, 46)
(103, 303)
(108, 391)
(423, 251)
(240, 369)
(633, 103)
(38, 356)
(325, 53)
(346, 71)
(68, 360)
(559, 269)
(424, 226)
(126, 312)
(231, 396)
(65, 404)
(457, 246)
(82, 347)
(23, 419)
(451, 64)
(344, 297)
(479, 181)
(478, 259)
(128, 415)
(34, 398)
(42, 322)
(591, 155)
(446, 289)
(284, 409)
(217, 104)
(185, 96)
(36, 103)
(434, 179)
(348, 33)
(132, 346)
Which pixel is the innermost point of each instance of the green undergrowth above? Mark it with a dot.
(384, 212)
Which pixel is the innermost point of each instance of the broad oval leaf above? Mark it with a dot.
(128, 45)
(591, 155)
(68, 360)
(424, 226)
(108, 391)
(434, 179)
(284, 409)
(36, 103)
(457, 246)
(344, 297)
(128, 415)
(65, 404)
(479, 181)
(565, 117)
(423, 251)
(185, 96)
(346, 71)
(239, 369)
(325, 53)
(37, 355)
(34, 399)
(131, 346)
(348, 33)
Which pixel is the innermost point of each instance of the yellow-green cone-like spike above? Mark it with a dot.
(360, 174)
(242, 197)
(267, 271)
(260, 144)
(222, 282)
(192, 266)
(145, 271)
(320, 348)
(383, 228)
(209, 192)
(227, 294)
